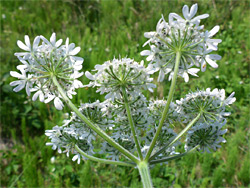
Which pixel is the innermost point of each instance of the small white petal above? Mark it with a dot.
(58, 43)
(58, 103)
(53, 39)
(75, 51)
(27, 41)
(22, 46)
(89, 75)
(185, 12)
(193, 10)
(36, 42)
(214, 31)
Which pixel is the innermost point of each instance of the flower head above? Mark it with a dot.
(207, 136)
(42, 62)
(112, 76)
(183, 35)
(210, 104)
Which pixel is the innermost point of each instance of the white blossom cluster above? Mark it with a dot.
(211, 105)
(41, 61)
(207, 136)
(111, 76)
(74, 131)
(185, 35)
(207, 132)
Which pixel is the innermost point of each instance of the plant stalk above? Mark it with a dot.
(143, 168)
(103, 160)
(165, 111)
(131, 122)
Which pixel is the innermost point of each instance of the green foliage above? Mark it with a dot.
(104, 29)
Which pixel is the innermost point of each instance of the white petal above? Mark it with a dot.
(44, 39)
(41, 97)
(28, 88)
(53, 39)
(50, 98)
(185, 12)
(203, 66)
(58, 43)
(14, 83)
(185, 76)
(193, 10)
(35, 95)
(75, 157)
(161, 76)
(149, 34)
(27, 41)
(16, 74)
(20, 86)
(75, 51)
(145, 52)
(22, 46)
(150, 57)
(214, 31)
(197, 18)
(89, 75)
(211, 62)
(58, 103)
(36, 42)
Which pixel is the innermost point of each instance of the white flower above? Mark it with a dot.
(113, 75)
(44, 61)
(22, 82)
(183, 35)
(188, 15)
(77, 157)
(27, 46)
(211, 105)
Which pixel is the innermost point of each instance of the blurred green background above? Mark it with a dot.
(104, 29)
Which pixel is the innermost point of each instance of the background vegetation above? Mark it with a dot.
(104, 29)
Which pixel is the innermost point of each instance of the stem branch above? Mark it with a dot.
(131, 122)
(165, 111)
(103, 160)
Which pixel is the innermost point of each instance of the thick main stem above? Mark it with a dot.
(131, 122)
(165, 111)
(100, 132)
(143, 168)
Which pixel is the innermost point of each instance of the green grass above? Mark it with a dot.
(104, 29)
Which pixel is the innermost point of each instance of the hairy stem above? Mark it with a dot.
(165, 111)
(173, 157)
(131, 122)
(103, 160)
(143, 168)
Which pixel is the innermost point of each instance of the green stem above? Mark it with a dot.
(143, 168)
(103, 160)
(165, 111)
(97, 129)
(131, 122)
(173, 157)
(177, 137)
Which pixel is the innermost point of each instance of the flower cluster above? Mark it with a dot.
(75, 132)
(42, 62)
(207, 136)
(211, 105)
(184, 35)
(113, 75)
